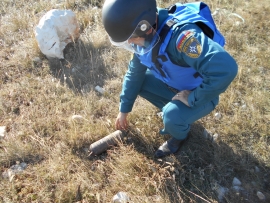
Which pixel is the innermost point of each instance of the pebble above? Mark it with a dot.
(160, 114)
(257, 169)
(13, 170)
(260, 195)
(206, 134)
(221, 192)
(100, 89)
(2, 131)
(244, 106)
(121, 197)
(236, 182)
(217, 115)
(37, 60)
(77, 117)
(215, 137)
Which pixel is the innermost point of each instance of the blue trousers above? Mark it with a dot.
(177, 117)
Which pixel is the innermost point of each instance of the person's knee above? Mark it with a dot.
(172, 116)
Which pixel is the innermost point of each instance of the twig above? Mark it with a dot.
(199, 196)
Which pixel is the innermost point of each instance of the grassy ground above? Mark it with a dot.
(38, 97)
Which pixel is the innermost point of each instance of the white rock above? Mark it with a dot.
(244, 106)
(260, 195)
(217, 115)
(216, 12)
(236, 182)
(215, 137)
(121, 197)
(206, 134)
(37, 60)
(160, 114)
(100, 89)
(77, 117)
(13, 170)
(55, 30)
(2, 131)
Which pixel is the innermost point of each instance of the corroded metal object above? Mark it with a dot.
(105, 143)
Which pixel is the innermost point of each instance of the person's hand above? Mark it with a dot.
(182, 96)
(121, 121)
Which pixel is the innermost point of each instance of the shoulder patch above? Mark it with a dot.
(182, 39)
(192, 48)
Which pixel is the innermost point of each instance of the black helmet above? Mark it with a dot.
(120, 17)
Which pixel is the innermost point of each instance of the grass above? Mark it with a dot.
(39, 96)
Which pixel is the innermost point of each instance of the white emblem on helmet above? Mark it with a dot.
(143, 27)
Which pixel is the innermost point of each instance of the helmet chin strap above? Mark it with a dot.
(156, 23)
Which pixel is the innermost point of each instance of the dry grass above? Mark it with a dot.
(38, 98)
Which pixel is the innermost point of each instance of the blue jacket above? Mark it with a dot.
(211, 61)
(178, 77)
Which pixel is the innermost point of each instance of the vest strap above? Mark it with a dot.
(155, 50)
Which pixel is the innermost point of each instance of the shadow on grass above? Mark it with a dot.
(203, 169)
(82, 67)
(206, 168)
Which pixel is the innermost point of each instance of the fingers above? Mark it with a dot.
(121, 124)
(182, 96)
(178, 96)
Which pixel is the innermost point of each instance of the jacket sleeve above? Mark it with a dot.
(189, 46)
(132, 83)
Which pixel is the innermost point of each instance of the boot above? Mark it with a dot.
(171, 146)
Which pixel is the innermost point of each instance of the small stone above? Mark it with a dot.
(206, 134)
(257, 170)
(100, 89)
(160, 114)
(217, 115)
(37, 60)
(13, 170)
(221, 191)
(260, 195)
(2, 131)
(215, 137)
(121, 197)
(244, 106)
(236, 182)
(77, 117)
(176, 172)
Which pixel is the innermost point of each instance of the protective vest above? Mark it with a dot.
(157, 60)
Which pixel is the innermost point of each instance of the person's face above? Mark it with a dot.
(139, 40)
(136, 40)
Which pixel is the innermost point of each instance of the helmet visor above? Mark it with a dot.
(142, 40)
